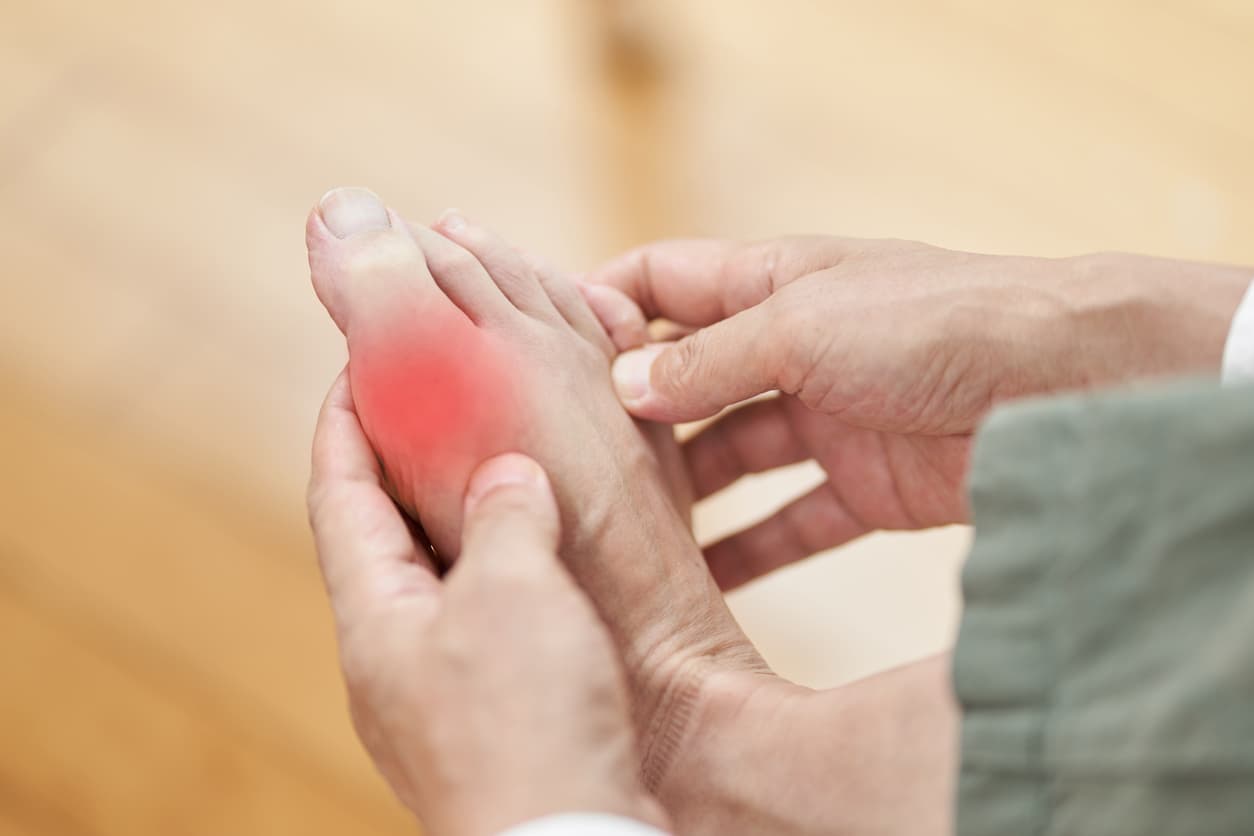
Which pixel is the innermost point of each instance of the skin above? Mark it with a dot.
(886, 355)
(726, 746)
(500, 682)
(711, 721)
(625, 536)
(753, 761)
(418, 651)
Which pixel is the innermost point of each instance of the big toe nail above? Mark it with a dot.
(349, 211)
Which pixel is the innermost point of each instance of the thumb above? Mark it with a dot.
(510, 514)
(707, 370)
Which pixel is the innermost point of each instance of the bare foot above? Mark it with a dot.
(460, 350)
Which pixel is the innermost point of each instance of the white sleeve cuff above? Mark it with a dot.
(1238, 364)
(583, 824)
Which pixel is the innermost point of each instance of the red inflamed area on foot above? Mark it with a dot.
(438, 399)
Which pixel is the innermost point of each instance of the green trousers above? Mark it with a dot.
(1105, 663)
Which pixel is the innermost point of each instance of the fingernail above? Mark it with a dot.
(452, 220)
(502, 471)
(631, 373)
(352, 210)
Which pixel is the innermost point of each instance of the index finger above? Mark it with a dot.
(701, 281)
(367, 553)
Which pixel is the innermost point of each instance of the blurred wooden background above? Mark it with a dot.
(167, 657)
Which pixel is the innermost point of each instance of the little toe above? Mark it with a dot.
(503, 263)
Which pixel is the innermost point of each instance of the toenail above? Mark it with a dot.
(452, 221)
(631, 373)
(349, 211)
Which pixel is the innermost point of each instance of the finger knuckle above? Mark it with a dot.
(796, 314)
(510, 531)
(360, 675)
(315, 499)
(794, 359)
(455, 651)
(687, 364)
(515, 555)
(512, 504)
(522, 572)
(319, 498)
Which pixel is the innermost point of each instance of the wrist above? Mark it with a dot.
(490, 814)
(1131, 317)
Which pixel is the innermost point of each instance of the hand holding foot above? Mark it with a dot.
(709, 715)
(459, 351)
(488, 699)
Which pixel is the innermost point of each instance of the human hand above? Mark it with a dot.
(492, 697)
(887, 355)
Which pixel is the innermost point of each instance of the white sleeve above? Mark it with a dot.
(1239, 352)
(583, 824)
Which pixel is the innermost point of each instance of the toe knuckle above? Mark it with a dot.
(452, 260)
(381, 254)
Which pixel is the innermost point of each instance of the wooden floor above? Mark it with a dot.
(168, 665)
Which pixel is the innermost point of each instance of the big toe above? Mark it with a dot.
(360, 255)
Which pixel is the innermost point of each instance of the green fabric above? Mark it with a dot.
(1105, 663)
